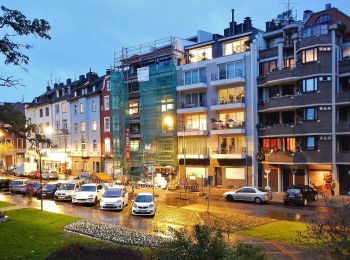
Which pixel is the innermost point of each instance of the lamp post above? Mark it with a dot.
(65, 133)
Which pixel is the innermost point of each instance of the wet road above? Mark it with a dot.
(171, 211)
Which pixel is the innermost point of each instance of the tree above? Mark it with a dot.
(5, 149)
(17, 24)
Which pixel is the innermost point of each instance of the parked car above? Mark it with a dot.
(253, 194)
(4, 184)
(18, 186)
(35, 188)
(114, 198)
(49, 174)
(88, 194)
(48, 190)
(67, 189)
(144, 204)
(34, 175)
(299, 194)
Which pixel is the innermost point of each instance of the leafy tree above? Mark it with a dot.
(13, 24)
(5, 149)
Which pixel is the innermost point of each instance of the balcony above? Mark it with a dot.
(222, 80)
(343, 157)
(193, 153)
(314, 40)
(134, 118)
(344, 65)
(268, 53)
(342, 127)
(192, 84)
(192, 131)
(342, 97)
(228, 103)
(230, 127)
(228, 152)
(187, 108)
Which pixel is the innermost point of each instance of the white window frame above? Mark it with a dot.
(109, 124)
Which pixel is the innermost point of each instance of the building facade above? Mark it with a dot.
(303, 101)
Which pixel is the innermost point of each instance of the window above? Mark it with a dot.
(236, 174)
(107, 145)
(82, 126)
(108, 85)
(200, 54)
(272, 145)
(231, 95)
(20, 143)
(167, 104)
(344, 114)
(193, 100)
(135, 128)
(94, 125)
(82, 108)
(309, 55)
(75, 109)
(106, 103)
(94, 145)
(41, 112)
(57, 108)
(323, 18)
(231, 145)
(236, 46)
(47, 111)
(231, 70)
(93, 105)
(196, 122)
(107, 125)
(58, 125)
(310, 85)
(133, 108)
(325, 48)
(135, 145)
(77, 166)
(64, 124)
(290, 145)
(195, 76)
(310, 114)
(83, 144)
(310, 143)
(267, 66)
(64, 107)
(288, 63)
(75, 127)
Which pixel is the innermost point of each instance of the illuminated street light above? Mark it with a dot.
(48, 130)
(1, 133)
(168, 120)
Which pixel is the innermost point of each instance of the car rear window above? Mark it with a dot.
(262, 189)
(17, 182)
(293, 191)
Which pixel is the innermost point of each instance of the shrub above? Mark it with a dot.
(80, 252)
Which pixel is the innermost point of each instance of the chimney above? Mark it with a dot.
(81, 77)
(307, 14)
(48, 88)
(232, 21)
(55, 85)
(328, 6)
(68, 81)
(248, 23)
(61, 84)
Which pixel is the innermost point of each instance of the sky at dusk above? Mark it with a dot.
(86, 33)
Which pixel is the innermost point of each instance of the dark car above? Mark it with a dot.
(48, 190)
(4, 184)
(34, 187)
(300, 194)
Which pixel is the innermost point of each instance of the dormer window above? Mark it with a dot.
(200, 54)
(93, 89)
(236, 46)
(324, 18)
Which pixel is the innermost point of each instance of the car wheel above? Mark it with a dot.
(285, 203)
(305, 202)
(316, 197)
(229, 198)
(258, 200)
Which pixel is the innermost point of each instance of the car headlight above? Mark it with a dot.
(150, 205)
(134, 205)
(90, 196)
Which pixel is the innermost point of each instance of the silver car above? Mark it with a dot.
(49, 174)
(18, 186)
(253, 194)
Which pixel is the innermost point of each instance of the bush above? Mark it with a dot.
(204, 243)
(80, 252)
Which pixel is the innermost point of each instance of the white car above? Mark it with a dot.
(144, 204)
(49, 174)
(66, 190)
(253, 194)
(89, 194)
(114, 198)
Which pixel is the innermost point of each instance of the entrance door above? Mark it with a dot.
(218, 176)
(299, 178)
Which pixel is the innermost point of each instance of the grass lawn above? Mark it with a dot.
(4, 204)
(282, 231)
(32, 234)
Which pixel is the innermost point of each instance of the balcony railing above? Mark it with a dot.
(230, 124)
(191, 81)
(229, 100)
(189, 128)
(184, 105)
(192, 150)
(229, 149)
(238, 73)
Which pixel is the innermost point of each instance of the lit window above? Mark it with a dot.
(236, 46)
(82, 126)
(133, 108)
(289, 63)
(201, 54)
(310, 85)
(268, 66)
(82, 108)
(310, 143)
(107, 124)
(135, 145)
(94, 125)
(310, 114)
(167, 104)
(83, 144)
(196, 122)
(107, 145)
(309, 55)
(106, 103)
(64, 107)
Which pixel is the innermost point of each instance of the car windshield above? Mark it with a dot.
(88, 188)
(49, 186)
(34, 184)
(143, 198)
(17, 182)
(66, 186)
(293, 191)
(113, 193)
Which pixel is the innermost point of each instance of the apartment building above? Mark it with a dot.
(216, 109)
(304, 101)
